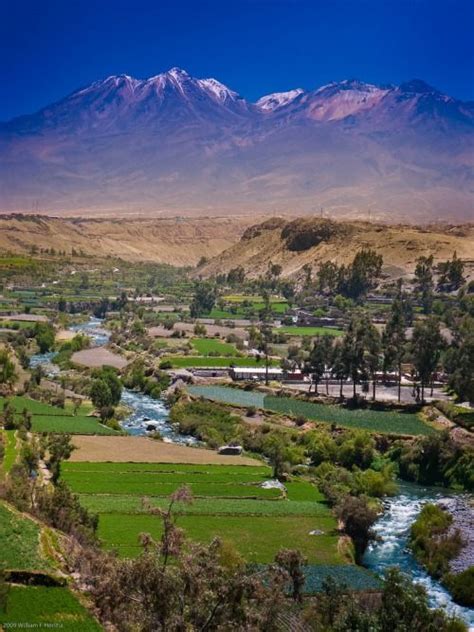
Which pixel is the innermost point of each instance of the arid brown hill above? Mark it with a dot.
(292, 244)
(177, 241)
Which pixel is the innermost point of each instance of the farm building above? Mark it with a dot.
(253, 373)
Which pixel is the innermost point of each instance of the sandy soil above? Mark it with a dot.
(144, 450)
(97, 356)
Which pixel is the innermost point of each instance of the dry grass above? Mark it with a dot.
(144, 450)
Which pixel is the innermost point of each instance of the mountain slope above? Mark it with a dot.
(177, 241)
(176, 144)
(295, 243)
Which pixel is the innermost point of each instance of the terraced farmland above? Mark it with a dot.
(46, 607)
(20, 542)
(70, 424)
(230, 502)
(47, 418)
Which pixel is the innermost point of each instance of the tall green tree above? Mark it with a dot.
(426, 346)
(204, 299)
(458, 361)
(106, 390)
(394, 339)
(319, 360)
(424, 283)
(265, 332)
(44, 334)
(353, 352)
(8, 374)
(372, 355)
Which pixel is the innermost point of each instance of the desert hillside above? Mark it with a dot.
(177, 241)
(294, 243)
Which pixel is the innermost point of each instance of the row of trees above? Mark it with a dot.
(364, 352)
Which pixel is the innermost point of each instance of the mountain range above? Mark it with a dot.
(176, 145)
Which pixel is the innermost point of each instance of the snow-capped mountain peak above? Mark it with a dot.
(277, 100)
(217, 89)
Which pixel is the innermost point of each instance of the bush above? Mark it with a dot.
(461, 587)
(432, 543)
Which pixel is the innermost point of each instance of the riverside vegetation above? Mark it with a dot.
(218, 532)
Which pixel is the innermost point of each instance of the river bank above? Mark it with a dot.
(391, 547)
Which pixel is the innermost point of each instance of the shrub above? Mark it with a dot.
(461, 587)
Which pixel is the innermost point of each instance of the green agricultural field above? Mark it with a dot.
(309, 331)
(17, 324)
(122, 484)
(258, 538)
(69, 424)
(117, 503)
(20, 542)
(211, 362)
(303, 491)
(229, 502)
(222, 314)
(365, 419)
(207, 346)
(34, 407)
(262, 472)
(227, 395)
(144, 479)
(46, 607)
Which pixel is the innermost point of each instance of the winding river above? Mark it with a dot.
(145, 411)
(393, 527)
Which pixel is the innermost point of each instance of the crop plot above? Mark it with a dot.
(381, 421)
(208, 346)
(47, 418)
(229, 502)
(46, 607)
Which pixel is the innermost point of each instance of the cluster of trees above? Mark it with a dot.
(363, 353)
(436, 460)
(148, 380)
(105, 391)
(450, 277)
(55, 504)
(354, 280)
(204, 299)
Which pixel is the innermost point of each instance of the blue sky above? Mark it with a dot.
(49, 48)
